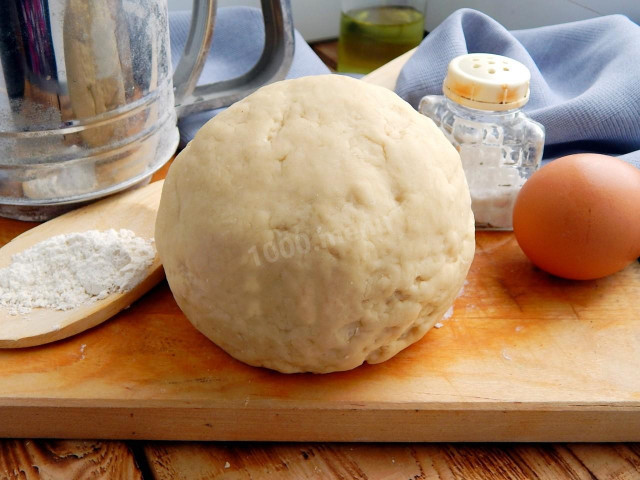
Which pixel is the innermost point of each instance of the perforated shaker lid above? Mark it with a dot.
(487, 82)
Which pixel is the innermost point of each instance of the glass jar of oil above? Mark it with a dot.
(373, 33)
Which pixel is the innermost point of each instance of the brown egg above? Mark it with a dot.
(578, 217)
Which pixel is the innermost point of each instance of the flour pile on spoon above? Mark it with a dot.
(66, 271)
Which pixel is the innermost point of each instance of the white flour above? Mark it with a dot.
(69, 270)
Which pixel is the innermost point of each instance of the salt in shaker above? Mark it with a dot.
(500, 146)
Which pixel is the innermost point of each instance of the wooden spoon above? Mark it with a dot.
(134, 210)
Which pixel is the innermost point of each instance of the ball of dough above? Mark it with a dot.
(315, 225)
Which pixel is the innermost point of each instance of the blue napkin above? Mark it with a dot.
(585, 76)
(238, 39)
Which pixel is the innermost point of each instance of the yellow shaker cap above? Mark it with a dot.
(487, 82)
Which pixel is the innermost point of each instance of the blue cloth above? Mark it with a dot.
(585, 76)
(238, 39)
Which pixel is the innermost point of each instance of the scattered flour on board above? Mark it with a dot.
(447, 315)
(69, 270)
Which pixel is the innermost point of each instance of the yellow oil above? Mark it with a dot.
(371, 37)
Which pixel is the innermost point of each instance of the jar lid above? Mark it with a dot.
(487, 82)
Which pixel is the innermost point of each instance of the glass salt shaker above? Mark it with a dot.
(500, 146)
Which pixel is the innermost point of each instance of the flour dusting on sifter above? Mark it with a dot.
(66, 271)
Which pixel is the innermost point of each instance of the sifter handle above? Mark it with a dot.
(272, 66)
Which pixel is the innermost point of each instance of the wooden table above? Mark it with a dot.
(76, 459)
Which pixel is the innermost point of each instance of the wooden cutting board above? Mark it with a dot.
(524, 357)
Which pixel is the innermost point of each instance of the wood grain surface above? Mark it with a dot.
(75, 460)
(328, 53)
(66, 460)
(239, 461)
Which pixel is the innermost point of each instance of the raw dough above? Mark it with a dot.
(315, 225)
